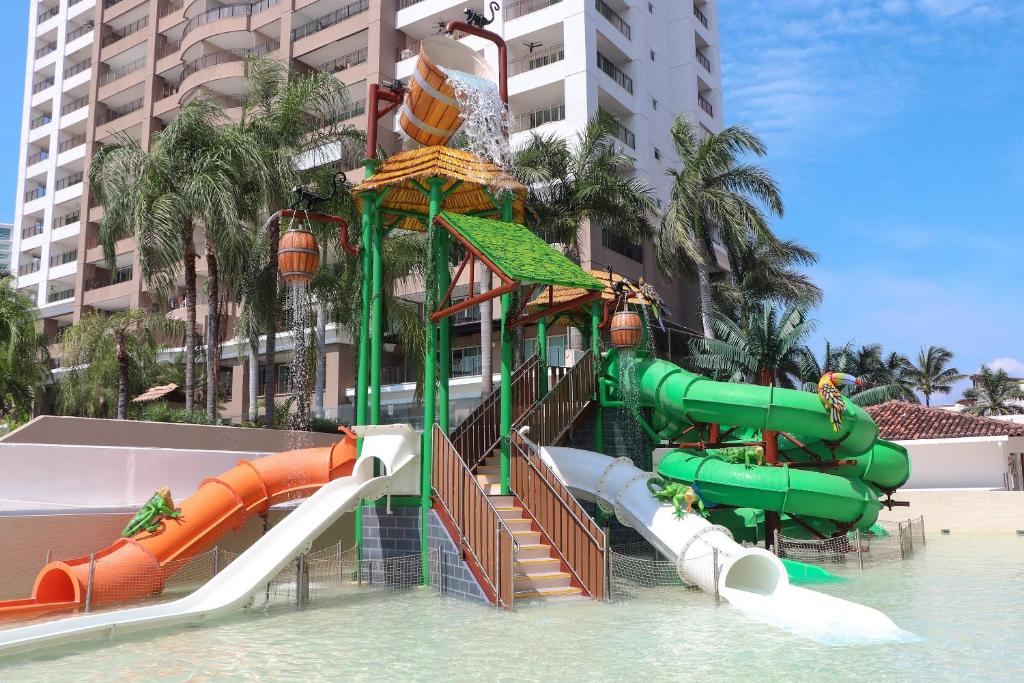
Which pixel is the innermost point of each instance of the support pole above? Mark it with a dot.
(542, 353)
(363, 365)
(772, 523)
(444, 370)
(505, 395)
(595, 348)
(89, 582)
(429, 394)
(377, 314)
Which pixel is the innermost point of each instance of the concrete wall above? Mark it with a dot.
(51, 429)
(979, 462)
(962, 511)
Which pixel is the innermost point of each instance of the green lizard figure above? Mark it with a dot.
(150, 515)
(744, 454)
(677, 494)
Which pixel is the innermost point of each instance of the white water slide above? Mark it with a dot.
(397, 449)
(751, 579)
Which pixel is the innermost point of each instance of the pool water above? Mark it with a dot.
(961, 597)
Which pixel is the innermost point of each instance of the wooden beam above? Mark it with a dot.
(557, 308)
(473, 301)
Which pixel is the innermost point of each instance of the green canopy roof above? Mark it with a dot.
(519, 253)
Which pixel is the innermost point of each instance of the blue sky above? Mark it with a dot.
(894, 128)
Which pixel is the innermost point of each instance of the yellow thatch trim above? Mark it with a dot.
(456, 166)
(563, 294)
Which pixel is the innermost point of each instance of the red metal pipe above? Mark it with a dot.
(457, 25)
(376, 94)
(342, 224)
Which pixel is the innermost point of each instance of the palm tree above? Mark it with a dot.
(109, 356)
(576, 185)
(883, 377)
(24, 359)
(767, 270)
(766, 347)
(995, 393)
(932, 374)
(190, 177)
(715, 198)
(288, 116)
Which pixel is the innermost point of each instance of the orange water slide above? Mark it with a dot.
(133, 568)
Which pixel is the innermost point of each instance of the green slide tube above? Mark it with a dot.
(779, 489)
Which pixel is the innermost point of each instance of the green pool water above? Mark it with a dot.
(962, 598)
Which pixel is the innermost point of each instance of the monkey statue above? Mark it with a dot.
(477, 18)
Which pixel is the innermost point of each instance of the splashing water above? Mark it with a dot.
(298, 305)
(485, 119)
(636, 438)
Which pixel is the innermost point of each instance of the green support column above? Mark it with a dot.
(429, 398)
(595, 347)
(364, 340)
(444, 369)
(505, 402)
(542, 352)
(377, 315)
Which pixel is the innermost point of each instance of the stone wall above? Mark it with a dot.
(453, 575)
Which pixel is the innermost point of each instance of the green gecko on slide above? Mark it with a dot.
(150, 515)
(677, 494)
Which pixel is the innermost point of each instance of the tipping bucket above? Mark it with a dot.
(430, 114)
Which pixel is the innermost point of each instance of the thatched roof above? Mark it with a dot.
(478, 179)
(607, 278)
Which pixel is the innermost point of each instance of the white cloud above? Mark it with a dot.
(1012, 366)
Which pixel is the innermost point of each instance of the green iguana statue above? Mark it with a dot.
(151, 514)
(744, 454)
(677, 494)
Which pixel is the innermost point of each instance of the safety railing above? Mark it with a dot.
(703, 60)
(554, 414)
(128, 30)
(346, 61)
(479, 528)
(40, 86)
(480, 432)
(74, 105)
(614, 18)
(169, 7)
(40, 120)
(77, 33)
(35, 158)
(705, 105)
(115, 113)
(78, 68)
(226, 56)
(45, 49)
(330, 19)
(227, 11)
(615, 73)
(48, 14)
(701, 17)
(574, 535)
(535, 119)
(521, 8)
(123, 70)
(71, 143)
(536, 60)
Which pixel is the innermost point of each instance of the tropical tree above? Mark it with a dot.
(716, 197)
(766, 347)
(995, 393)
(577, 185)
(183, 190)
(24, 359)
(931, 373)
(290, 117)
(109, 358)
(883, 376)
(767, 271)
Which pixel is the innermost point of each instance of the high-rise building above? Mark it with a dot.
(98, 69)
(6, 230)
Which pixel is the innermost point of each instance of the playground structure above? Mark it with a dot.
(501, 483)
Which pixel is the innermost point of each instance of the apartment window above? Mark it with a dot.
(466, 361)
(283, 383)
(620, 245)
(650, 7)
(657, 154)
(224, 382)
(654, 104)
(652, 55)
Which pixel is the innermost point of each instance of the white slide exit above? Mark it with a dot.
(751, 579)
(395, 446)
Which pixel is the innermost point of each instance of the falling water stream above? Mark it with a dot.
(636, 439)
(299, 306)
(486, 120)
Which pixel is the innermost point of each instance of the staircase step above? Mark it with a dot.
(542, 565)
(492, 490)
(491, 461)
(509, 513)
(546, 593)
(540, 581)
(526, 536)
(520, 524)
(486, 479)
(532, 551)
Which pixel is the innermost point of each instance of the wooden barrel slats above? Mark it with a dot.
(627, 330)
(430, 114)
(298, 256)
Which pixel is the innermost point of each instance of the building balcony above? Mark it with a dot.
(520, 8)
(115, 113)
(40, 86)
(34, 194)
(700, 16)
(219, 58)
(612, 70)
(536, 60)
(60, 295)
(330, 19)
(40, 121)
(226, 19)
(346, 62)
(703, 60)
(120, 72)
(46, 15)
(30, 267)
(48, 48)
(540, 117)
(120, 34)
(32, 230)
(614, 18)
(705, 105)
(87, 29)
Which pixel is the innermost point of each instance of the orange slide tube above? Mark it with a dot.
(132, 568)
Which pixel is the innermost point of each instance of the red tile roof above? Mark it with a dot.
(902, 421)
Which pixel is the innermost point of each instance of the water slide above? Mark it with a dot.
(751, 579)
(864, 465)
(339, 484)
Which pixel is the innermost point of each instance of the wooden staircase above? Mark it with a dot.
(537, 572)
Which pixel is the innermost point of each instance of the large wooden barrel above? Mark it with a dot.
(627, 330)
(430, 114)
(298, 255)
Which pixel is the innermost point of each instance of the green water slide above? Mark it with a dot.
(858, 465)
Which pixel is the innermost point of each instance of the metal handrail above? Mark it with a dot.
(535, 450)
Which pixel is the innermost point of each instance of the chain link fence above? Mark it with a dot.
(892, 542)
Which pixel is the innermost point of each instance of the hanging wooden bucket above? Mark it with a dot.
(298, 256)
(627, 330)
(430, 114)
